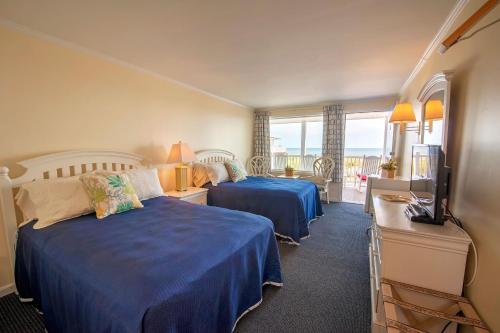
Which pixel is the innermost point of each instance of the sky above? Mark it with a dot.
(360, 133)
(288, 134)
(365, 133)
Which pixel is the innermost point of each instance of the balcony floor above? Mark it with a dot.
(351, 194)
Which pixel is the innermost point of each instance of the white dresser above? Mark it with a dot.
(375, 182)
(423, 255)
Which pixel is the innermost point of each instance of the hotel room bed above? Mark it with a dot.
(169, 267)
(290, 204)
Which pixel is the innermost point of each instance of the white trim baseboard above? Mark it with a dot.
(448, 23)
(7, 289)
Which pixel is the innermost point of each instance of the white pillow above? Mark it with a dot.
(146, 183)
(200, 174)
(53, 200)
(242, 167)
(217, 173)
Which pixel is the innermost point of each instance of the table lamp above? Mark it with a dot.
(181, 153)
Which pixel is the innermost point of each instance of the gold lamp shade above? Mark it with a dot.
(181, 153)
(402, 114)
(433, 110)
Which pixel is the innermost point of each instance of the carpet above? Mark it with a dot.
(326, 279)
(17, 317)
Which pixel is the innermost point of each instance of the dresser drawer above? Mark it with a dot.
(375, 243)
(377, 304)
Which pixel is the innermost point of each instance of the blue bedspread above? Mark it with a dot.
(290, 204)
(169, 267)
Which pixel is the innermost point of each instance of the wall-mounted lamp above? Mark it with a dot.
(433, 111)
(403, 114)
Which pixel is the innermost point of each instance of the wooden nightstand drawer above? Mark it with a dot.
(194, 195)
(200, 199)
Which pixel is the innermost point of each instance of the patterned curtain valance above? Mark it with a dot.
(333, 138)
(262, 142)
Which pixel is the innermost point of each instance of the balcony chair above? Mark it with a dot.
(322, 174)
(369, 167)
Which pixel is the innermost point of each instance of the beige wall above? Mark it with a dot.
(54, 98)
(474, 149)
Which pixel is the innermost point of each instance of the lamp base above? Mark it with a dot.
(181, 178)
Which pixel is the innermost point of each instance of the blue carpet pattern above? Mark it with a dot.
(326, 284)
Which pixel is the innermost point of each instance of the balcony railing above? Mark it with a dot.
(352, 164)
(282, 160)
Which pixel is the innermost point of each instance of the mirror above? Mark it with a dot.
(435, 99)
(433, 119)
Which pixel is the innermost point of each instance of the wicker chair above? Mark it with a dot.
(259, 166)
(323, 171)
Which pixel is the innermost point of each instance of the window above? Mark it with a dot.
(296, 142)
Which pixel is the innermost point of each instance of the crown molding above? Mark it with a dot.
(448, 23)
(389, 98)
(76, 47)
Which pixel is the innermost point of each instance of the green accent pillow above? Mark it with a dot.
(235, 170)
(110, 193)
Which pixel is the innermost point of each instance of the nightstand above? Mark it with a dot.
(196, 195)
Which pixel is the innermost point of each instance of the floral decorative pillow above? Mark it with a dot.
(110, 193)
(235, 170)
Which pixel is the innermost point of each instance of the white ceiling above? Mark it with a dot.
(259, 53)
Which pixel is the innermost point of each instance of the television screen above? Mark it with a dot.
(425, 171)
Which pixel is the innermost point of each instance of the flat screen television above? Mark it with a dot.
(429, 181)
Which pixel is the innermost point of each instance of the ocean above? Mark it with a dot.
(347, 151)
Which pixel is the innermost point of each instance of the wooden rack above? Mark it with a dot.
(460, 304)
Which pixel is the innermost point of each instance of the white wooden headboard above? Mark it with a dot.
(64, 164)
(214, 155)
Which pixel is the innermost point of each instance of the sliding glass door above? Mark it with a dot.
(368, 135)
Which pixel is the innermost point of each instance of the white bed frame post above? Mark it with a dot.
(8, 215)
